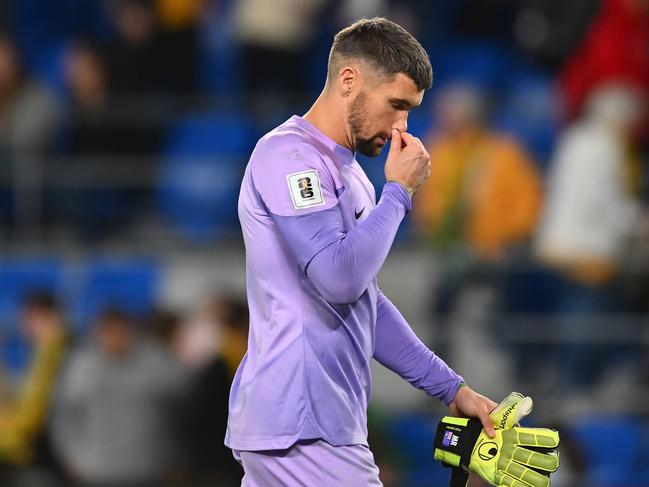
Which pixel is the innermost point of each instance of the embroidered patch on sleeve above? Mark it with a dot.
(305, 189)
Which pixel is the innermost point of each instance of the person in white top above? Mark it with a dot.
(590, 210)
(591, 214)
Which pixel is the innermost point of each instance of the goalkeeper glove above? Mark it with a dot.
(516, 457)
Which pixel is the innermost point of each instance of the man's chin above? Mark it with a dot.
(370, 150)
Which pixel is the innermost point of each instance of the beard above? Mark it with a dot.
(359, 122)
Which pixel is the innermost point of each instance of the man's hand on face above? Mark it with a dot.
(408, 161)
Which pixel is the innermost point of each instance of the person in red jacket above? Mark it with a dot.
(615, 48)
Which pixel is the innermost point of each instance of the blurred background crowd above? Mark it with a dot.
(125, 127)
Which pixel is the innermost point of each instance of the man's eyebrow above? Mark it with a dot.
(402, 101)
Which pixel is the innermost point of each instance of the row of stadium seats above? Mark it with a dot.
(84, 288)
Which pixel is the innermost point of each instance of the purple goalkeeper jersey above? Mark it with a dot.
(315, 239)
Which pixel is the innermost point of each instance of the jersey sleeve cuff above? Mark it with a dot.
(452, 391)
(396, 190)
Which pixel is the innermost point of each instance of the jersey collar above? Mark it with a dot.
(340, 153)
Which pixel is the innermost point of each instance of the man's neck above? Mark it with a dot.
(328, 117)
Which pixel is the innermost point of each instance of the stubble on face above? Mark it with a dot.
(359, 123)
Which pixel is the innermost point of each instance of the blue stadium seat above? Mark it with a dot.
(206, 134)
(421, 120)
(616, 450)
(481, 64)
(201, 173)
(129, 284)
(219, 62)
(48, 67)
(41, 27)
(529, 112)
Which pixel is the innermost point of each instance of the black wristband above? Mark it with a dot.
(455, 439)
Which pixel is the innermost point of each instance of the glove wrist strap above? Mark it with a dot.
(455, 439)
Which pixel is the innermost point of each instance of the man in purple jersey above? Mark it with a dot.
(315, 240)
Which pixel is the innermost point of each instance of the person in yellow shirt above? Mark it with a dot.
(23, 414)
(484, 192)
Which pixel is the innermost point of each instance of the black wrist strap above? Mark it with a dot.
(455, 439)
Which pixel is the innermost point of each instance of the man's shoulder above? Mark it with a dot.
(286, 149)
(289, 138)
(290, 172)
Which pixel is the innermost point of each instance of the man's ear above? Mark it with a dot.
(348, 79)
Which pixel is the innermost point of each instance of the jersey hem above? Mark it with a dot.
(284, 442)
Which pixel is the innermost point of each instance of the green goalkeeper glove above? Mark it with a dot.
(516, 457)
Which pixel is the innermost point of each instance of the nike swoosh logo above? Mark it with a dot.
(358, 214)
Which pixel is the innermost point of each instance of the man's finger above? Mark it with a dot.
(395, 143)
(487, 423)
(408, 138)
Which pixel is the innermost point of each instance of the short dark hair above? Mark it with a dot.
(386, 46)
(111, 315)
(41, 301)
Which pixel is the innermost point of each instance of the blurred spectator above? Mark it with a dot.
(615, 49)
(28, 111)
(352, 10)
(99, 125)
(275, 36)
(87, 85)
(200, 337)
(135, 70)
(133, 57)
(235, 334)
(179, 43)
(207, 409)
(23, 439)
(112, 423)
(549, 30)
(102, 145)
(156, 47)
(493, 19)
(591, 213)
(164, 326)
(484, 192)
(28, 116)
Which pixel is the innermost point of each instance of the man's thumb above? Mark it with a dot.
(395, 142)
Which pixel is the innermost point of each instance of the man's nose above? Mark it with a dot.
(401, 124)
